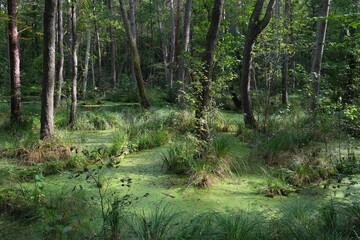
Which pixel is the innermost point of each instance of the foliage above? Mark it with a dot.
(159, 223)
(102, 120)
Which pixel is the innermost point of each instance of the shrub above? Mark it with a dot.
(179, 158)
(161, 223)
(19, 204)
(119, 142)
(150, 139)
(64, 215)
(181, 121)
(102, 120)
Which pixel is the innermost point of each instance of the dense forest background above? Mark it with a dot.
(282, 56)
(179, 119)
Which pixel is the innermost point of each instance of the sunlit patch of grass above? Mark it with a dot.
(203, 162)
(160, 223)
(102, 120)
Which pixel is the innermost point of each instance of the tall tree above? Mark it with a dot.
(321, 26)
(98, 48)
(185, 49)
(112, 46)
(133, 31)
(135, 58)
(172, 45)
(74, 60)
(86, 62)
(47, 94)
(285, 65)
(14, 63)
(60, 40)
(255, 27)
(164, 46)
(203, 99)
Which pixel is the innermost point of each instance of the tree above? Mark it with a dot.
(255, 27)
(60, 35)
(135, 58)
(113, 47)
(203, 99)
(47, 94)
(172, 45)
(285, 65)
(14, 63)
(74, 61)
(321, 26)
(86, 62)
(185, 49)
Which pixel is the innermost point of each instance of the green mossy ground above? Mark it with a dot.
(152, 185)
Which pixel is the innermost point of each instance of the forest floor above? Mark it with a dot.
(151, 185)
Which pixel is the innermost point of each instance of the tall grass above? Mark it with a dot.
(161, 223)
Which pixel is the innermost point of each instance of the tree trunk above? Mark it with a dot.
(164, 47)
(60, 69)
(135, 58)
(203, 99)
(285, 65)
(113, 48)
(134, 34)
(172, 45)
(14, 63)
(47, 95)
(99, 61)
(255, 27)
(177, 36)
(74, 57)
(86, 62)
(319, 50)
(185, 50)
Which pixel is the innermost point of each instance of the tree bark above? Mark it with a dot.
(185, 50)
(134, 34)
(203, 99)
(47, 95)
(74, 58)
(164, 47)
(14, 63)
(172, 45)
(177, 35)
(99, 61)
(113, 48)
(60, 69)
(255, 27)
(285, 65)
(135, 58)
(86, 62)
(319, 50)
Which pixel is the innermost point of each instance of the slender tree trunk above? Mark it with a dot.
(60, 64)
(74, 48)
(203, 99)
(255, 27)
(99, 60)
(86, 62)
(14, 63)
(321, 26)
(93, 74)
(135, 58)
(285, 65)
(113, 48)
(164, 47)
(185, 50)
(47, 95)
(172, 45)
(177, 36)
(134, 34)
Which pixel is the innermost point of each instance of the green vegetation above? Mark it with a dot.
(212, 119)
